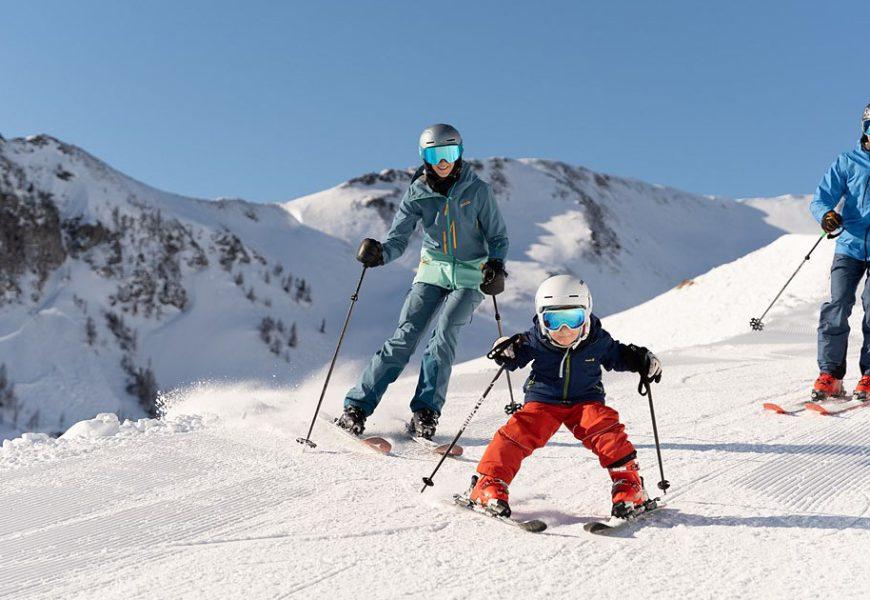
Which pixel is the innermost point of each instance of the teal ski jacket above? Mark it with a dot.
(461, 231)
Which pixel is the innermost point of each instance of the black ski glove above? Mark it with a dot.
(505, 349)
(370, 253)
(493, 277)
(831, 222)
(640, 360)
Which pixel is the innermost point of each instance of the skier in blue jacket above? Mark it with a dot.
(848, 179)
(464, 246)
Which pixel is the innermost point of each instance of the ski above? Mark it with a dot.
(828, 409)
(804, 405)
(615, 523)
(781, 410)
(378, 444)
(532, 526)
(433, 446)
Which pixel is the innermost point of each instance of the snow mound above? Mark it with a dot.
(91, 434)
(103, 425)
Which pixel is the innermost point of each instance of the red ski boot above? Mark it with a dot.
(862, 390)
(491, 493)
(826, 386)
(627, 492)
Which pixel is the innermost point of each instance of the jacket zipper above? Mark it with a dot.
(567, 377)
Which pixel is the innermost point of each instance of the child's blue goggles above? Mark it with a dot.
(867, 127)
(572, 317)
(434, 155)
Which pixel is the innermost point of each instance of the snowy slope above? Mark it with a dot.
(761, 506)
(718, 304)
(111, 290)
(630, 240)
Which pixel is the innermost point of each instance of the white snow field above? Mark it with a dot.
(219, 501)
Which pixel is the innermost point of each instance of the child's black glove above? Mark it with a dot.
(505, 349)
(642, 361)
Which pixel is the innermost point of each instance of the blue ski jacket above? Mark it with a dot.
(848, 178)
(569, 376)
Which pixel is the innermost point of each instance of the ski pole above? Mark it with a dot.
(427, 481)
(756, 323)
(306, 441)
(513, 406)
(643, 389)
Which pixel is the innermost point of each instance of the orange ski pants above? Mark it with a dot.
(593, 423)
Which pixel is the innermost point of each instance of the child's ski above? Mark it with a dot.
(533, 526)
(378, 444)
(614, 523)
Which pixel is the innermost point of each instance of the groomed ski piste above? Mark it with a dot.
(217, 500)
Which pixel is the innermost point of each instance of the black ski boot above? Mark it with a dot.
(423, 423)
(353, 419)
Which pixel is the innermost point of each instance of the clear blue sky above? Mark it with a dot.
(272, 100)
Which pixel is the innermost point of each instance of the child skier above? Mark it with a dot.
(568, 348)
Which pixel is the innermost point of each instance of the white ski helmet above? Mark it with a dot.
(865, 120)
(563, 291)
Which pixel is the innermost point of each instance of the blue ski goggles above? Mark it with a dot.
(435, 154)
(572, 317)
(867, 128)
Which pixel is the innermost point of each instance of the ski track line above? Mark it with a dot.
(313, 582)
(808, 484)
(123, 530)
(51, 509)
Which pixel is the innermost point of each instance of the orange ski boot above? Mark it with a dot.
(862, 390)
(491, 493)
(627, 493)
(826, 386)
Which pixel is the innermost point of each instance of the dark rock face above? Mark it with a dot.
(31, 240)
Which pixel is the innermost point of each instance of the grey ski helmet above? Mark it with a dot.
(563, 291)
(865, 120)
(439, 134)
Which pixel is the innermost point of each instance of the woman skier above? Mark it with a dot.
(568, 348)
(848, 178)
(464, 246)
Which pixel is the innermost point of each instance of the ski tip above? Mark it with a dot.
(817, 408)
(456, 451)
(596, 527)
(534, 526)
(775, 408)
(379, 444)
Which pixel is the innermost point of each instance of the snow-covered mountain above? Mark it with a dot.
(111, 290)
(630, 240)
